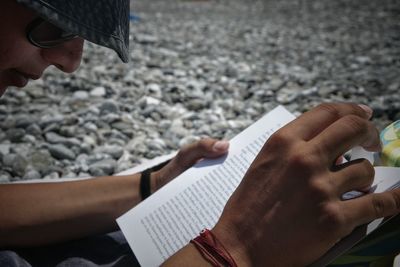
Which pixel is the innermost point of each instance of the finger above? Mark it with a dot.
(354, 175)
(345, 133)
(316, 120)
(340, 160)
(372, 206)
(192, 153)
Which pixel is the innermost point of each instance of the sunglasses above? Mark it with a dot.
(44, 34)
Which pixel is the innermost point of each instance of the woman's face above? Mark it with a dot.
(21, 61)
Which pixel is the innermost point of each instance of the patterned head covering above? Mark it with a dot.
(104, 22)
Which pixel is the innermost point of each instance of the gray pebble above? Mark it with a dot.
(113, 151)
(80, 95)
(41, 161)
(103, 167)
(23, 121)
(8, 159)
(31, 174)
(34, 129)
(52, 176)
(55, 138)
(17, 163)
(61, 152)
(5, 178)
(5, 149)
(109, 106)
(15, 134)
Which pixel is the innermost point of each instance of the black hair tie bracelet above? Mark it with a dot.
(145, 184)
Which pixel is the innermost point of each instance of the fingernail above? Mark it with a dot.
(366, 189)
(221, 145)
(367, 110)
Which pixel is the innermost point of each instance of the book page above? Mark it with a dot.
(167, 220)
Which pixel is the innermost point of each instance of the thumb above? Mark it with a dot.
(191, 154)
(205, 148)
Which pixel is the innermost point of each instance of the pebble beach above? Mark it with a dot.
(200, 68)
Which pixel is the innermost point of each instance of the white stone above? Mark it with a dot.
(98, 92)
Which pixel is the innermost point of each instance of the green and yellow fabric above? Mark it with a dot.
(390, 138)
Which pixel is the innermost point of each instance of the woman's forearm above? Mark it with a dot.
(44, 213)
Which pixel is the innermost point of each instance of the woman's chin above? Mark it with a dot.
(2, 89)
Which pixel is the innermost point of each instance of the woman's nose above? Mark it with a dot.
(67, 56)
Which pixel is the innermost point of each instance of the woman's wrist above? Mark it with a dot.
(232, 244)
(153, 182)
(211, 249)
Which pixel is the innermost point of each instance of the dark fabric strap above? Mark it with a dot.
(145, 184)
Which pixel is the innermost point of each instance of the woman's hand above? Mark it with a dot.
(288, 210)
(186, 158)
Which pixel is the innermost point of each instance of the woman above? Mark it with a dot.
(295, 212)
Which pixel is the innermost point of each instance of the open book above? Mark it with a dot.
(170, 218)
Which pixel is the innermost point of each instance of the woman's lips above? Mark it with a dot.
(21, 79)
(18, 79)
